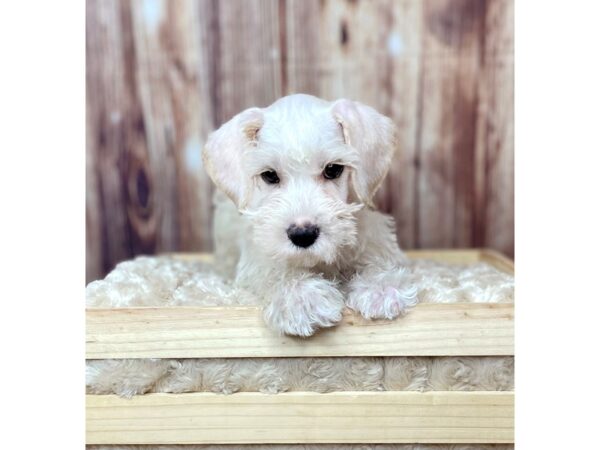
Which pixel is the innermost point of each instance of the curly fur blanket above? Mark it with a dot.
(162, 281)
(168, 281)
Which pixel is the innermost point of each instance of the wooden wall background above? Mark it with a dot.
(162, 74)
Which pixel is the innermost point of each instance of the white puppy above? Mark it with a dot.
(301, 174)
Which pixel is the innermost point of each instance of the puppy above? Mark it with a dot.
(299, 225)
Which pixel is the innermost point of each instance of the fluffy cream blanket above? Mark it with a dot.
(162, 281)
(168, 281)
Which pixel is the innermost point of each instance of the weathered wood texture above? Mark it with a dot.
(162, 74)
(302, 417)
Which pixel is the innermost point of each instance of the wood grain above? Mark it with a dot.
(171, 61)
(498, 260)
(162, 74)
(240, 332)
(110, 112)
(302, 417)
(452, 37)
(449, 256)
(248, 61)
(496, 120)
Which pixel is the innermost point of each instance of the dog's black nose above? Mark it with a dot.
(303, 236)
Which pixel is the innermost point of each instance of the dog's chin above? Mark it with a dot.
(304, 258)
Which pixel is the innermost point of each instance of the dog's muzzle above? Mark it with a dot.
(303, 236)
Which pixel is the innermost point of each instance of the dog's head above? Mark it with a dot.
(300, 169)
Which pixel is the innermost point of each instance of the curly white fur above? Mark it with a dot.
(169, 281)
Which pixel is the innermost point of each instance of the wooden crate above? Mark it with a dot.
(304, 417)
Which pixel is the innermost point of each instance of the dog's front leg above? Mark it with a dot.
(381, 287)
(381, 292)
(301, 303)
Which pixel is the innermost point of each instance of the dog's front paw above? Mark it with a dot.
(381, 302)
(305, 306)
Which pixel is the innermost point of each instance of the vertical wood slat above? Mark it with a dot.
(248, 62)
(109, 106)
(398, 195)
(497, 128)
(442, 70)
(93, 219)
(452, 38)
(171, 62)
(303, 62)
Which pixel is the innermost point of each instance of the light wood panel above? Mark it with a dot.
(240, 332)
(449, 256)
(498, 260)
(302, 417)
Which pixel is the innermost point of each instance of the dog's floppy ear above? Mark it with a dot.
(224, 150)
(374, 137)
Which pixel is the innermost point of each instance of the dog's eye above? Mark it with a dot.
(333, 171)
(270, 177)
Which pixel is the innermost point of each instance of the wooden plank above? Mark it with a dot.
(399, 98)
(303, 47)
(248, 62)
(93, 219)
(452, 39)
(496, 125)
(170, 193)
(302, 417)
(498, 260)
(239, 332)
(449, 256)
(111, 110)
